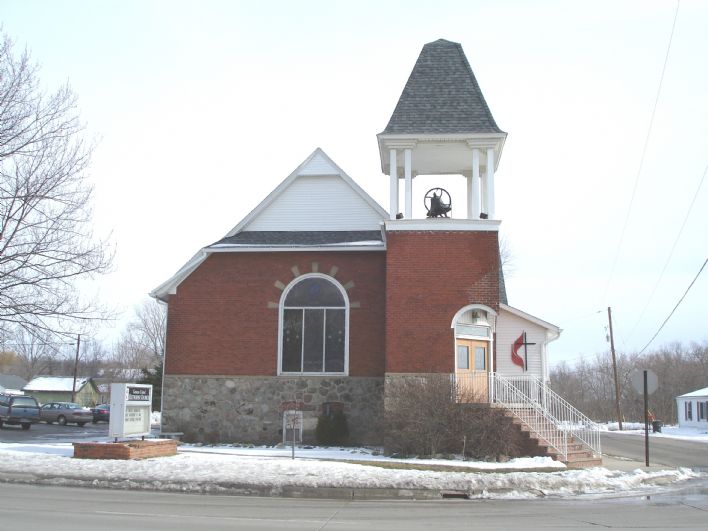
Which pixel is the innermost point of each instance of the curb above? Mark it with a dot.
(288, 491)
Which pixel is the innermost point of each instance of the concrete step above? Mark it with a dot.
(578, 455)
(589, 462)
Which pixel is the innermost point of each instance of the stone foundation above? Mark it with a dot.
(249, 409)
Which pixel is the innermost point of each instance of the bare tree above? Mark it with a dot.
(46, 240)
(141, 346)
(506, 257)
(36, 355)
(149, 327)
(589, 384)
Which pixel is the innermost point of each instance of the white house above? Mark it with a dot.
(693, 409)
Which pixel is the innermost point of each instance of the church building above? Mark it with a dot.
(319, 298)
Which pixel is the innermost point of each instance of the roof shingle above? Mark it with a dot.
(442, 96)
(300, 238)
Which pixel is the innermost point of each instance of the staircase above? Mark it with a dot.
(561, 431)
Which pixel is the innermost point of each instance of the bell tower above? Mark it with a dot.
(445, 262)
(442, 126)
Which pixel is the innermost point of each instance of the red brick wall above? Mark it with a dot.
(429, 277)
(126, 450)
(219, 321)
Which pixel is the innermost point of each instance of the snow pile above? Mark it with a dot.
(219, 472)
(155, 418)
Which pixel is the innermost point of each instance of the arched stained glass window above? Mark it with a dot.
(314, 327)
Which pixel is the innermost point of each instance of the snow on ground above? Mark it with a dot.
(227, 468)
(673, 432)
(367, 454)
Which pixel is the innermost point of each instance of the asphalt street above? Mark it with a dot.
(662, 450)
(70, 509)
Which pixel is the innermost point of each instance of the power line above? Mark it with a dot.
(677, 305)
(641, 160)
(671, 254)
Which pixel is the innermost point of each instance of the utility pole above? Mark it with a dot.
(76, 368)
(614, 369)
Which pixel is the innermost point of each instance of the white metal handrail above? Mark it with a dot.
(545, 412)
(550, 416)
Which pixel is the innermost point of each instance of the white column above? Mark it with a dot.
(473, 188)
(490, 183)
(393, 173)
(409, 183)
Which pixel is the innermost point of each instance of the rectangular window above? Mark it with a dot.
(463, 357)
(313, 346)
(313, 340)
(702, 410)
(688, 407)
(334, 340)
(292, 340)
(480, 358)
(471, 330)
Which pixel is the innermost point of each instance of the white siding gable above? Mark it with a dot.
(509, 328)
(317, 196)
(319, 165)
(317, 203)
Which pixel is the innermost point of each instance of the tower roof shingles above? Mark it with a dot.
(442, 96)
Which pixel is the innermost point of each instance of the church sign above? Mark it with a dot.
(131, 408)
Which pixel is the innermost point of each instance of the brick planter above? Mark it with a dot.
(126, 449)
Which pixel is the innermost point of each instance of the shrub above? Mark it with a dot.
(332, 429)
(429, 415)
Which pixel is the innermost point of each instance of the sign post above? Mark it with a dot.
(131, 408)
(645, 382)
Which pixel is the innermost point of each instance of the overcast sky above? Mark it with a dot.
(201, 108)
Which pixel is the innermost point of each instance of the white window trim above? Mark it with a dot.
(281, 310)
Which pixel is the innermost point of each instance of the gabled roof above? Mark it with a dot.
(552, 330)
(442, 96)
(697, 393)
(296, 205)
(10, 381)
(300, 238)
(318, 207)
(55, 383)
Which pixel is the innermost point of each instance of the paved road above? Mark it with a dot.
(62, 508)
(662, 450)
(43, 433)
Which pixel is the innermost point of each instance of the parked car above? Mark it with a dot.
(63, 412)
(101, 412)
(18, 409)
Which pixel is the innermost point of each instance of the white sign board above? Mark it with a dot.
(638, 381)
(131, 408)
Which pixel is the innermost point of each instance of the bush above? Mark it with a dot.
(332, 429)
(429, 415)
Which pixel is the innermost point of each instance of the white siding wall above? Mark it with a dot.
(319, 165)
(312, 202)
(695, 422)
(509, 328)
